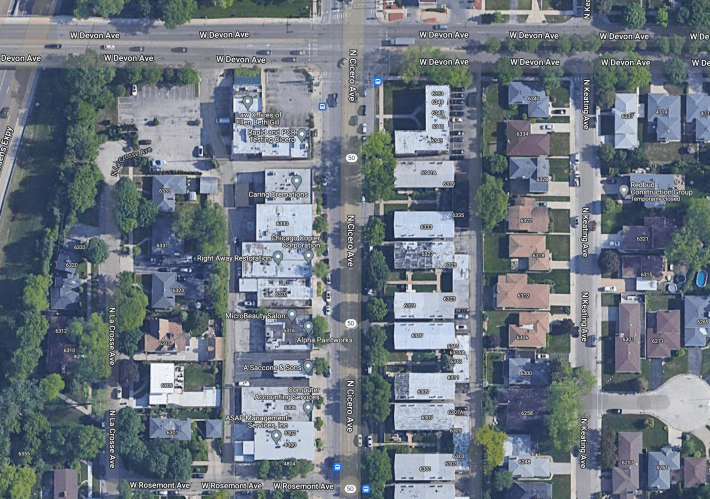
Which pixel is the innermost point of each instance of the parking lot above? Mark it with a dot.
(176, 136)
(287, 92)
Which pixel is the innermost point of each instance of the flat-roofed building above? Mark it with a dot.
(279, 186)
(424, 174)
(424, 386)
(284, 293)
(423, 468)
(413, 305)
(167, 387)
(276, 221)
(424, 225)
(424, 417)
(257, 261)
(434, 139)
(424, 335)
(413, 255)
(424, 491)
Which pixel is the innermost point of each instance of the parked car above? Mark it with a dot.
(145, 142)
(53, 46)
(546, 127)
(244, 383)
(614, 243)
(462, 316)
(359, 440)
(614, 411)
(457, 114)
(138, 49)
(158, 163)
(456, 108)
(327, 296)
(456, 101)
(592, 341)
(134, 90)
(456, 120)
(364, 128)
(575, 222)
(248, 303)
(200, 152)
(461, 327)
(263, 52)
(457, 152)
(327, 280)
(593, 225)
(5, 112)
(369, 440)
(457, 133)
(559, 111)
(542, 356)
(611, 180)
(610, 289)
(181, 49)
(456, 139)
(327, 310)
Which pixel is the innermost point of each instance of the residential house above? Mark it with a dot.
(165, 337)
(528, 215)
(173, 429)
(521, 142)
(664, 117)
(695, 471)
(531, 252)
(531, 95)
(647, 270)
(697, 113)
(662, 333)
(531, 174)
(660, 465)
(164, 289)
(530, 331)
(163, 240)
(529, 490)
(626, 114)
(627, 353)
(512, 291)
(697, 319)
(61, 353)
(65, 293)
(653, 236)
(213, 428)
(625, 477)
(530, 466)
(656, 187)
(522, 371)
(66, 484)
(434, 139)
(165, 187)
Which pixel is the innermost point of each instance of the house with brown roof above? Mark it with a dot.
(61, 353)
(165, 337)
(532, 251)
(625, 477)
(521, 142)
(653, 236)
(66, 484)
(662, 333)
(512, 291)
(527, 215)
(627, 355)
(695, 471)
(215, 347)
(530, 331)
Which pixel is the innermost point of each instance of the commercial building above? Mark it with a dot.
(167, 387)
(434, 139)
(258, 263)
(279, 186)
(424, 335)
(413, 305)
(425, 491)
(654, 186)
(286, 337)
(423, 225)
(424, 417)
(423, 468)
(424, 386)
(277, 221)
(664, 117)
(414, 255)
(626, 124)
(424, 174)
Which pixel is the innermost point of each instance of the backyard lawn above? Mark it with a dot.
(498, 324)
(493, 114)
(653, 438)
(560, 220)
(660, 301)
(623, 214)
(559, 246)
(495, 253)
(199, 375)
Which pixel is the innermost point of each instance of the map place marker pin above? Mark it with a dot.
(301, 134)
(296, 181)
(276, 436)
(308, 326)
(291, 314)
(308, 255)
(277, 256)
(307, 408)
(308, 366)
(623, 190)
(247, 101)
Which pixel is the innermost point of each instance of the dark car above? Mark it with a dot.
(163, 269)
(298, 52)
(138, 49)
(457, 114)
(456, 101)
(456, 139)
(456, 108)
(592, 341)
(457, 133)
(290, 59)
(180, 49)
(458, 89)
(198, 475)
(5, 111)
(457, 152)
(614, 411)
(145, 142)
(53, 46)
(263, 52)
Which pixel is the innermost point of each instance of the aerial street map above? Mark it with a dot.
(357, 249)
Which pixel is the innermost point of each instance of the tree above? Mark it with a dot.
(96, 251)
(412, 71)
(84, 187)
(496, 164)
(608, 452)
(498, 18)
(376, 472)
(492, 439)
(204, 227)
(16, 482)
(491, 340)
(675, 71)
(28, 345)
(321, 270)
(128, 200)
(502, 480)
(634, 16)
(564, 45)
(698, 13)
(376, 398)
(102, 8)
(377, 270)
(128, 341)
(378, 164)
(663, 44)
(374, 231)
(179, 465)
(147, 213)
(320, 224)
(491, 202)
(609, 261)
(91, 337)
(132, 302)
(321, 366)
(128, 372)
(564, 402)
(550, 77)
(641, 384)
(375, 353)
(197, 321)
(505, 71)
(566, 327)
(376, 309)
(319, 423)
(52, 386)
(492, 45)
(35, 291)
(604, 6)
(176, 12)
(320, 325)
(662, 16)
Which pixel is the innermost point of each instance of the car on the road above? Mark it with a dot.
(456, 120)
(614, 411)
(461, 327)
(614, 243)
(263, 52)
(592, 341)
(327, 297)
(546, 127)
(363, 110)
(333, 98)
(53, 46)
(575, 222)
(341, 62)
(462, 316)
(575, 158)
(180, 49)
(440, 27)
(543, 204)
(559, 111)
(145, 142)
(327, 310)
(5, 112)
(158, 163)
(161, 492)
(108, 47)
(359, 440)
(290, 59)
(543, 356)
(244, 383)
(457, 152)
(298, 52)
(323, 181)
(134, 90)
(163, 269)
(369, 440)
(609, 289)
(200, 152)
(138, 49)
(457, 133)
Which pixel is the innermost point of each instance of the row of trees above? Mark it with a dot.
(171, 12)
(132, 210)
(413, 71)
(564, 45)
(612, 79)
(278, 469)
(694, 13)
(132, 302)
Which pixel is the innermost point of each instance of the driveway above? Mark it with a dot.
(695, 360)
(656, 374)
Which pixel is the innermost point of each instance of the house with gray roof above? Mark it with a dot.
(65, 295)
(660, 465)
(163, 240)
(697, 113)
(522, 371)
(163, 290)
(209, 185)
(530, 466)
(696, 310)
(531, 95)
(530, 490)
(173, 429)
(533, 174)
(654, 186)
(664, 117)
(626, 122)
(165, 187)
(213, 428)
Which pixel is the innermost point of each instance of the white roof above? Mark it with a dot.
(279, 182)
(423, 335)
(461, 277)
(265, 449)
(423, 224)
(424, 386)
(626, 121)
(167, 389)
(413, 305)
(273, 400)
(424, 491)
(290, 369)
(435, 136)
(418, 174)
(162, 379)
(416, 416)
(462, 370)
(298, 293)
(298, 216)
(423, 467)
(293, 264)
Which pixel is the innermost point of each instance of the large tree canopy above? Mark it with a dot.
(378, 164)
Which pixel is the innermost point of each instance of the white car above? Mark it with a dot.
(457, 120)
(542, 356)
(546, 127)
(108, 47)
(200, 152)
(610, 289)
(614, 243)
(158, 163)
(327, 296)
(327, 310)
(134, 90)
(369, 440)
(244, 383)
(359, 440)
(461, 327)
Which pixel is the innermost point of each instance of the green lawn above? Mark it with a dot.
(558, 343)
(424, 288)
(559, 276)
(610, 300)
(250, 8)
(559, 246)
(559, 144)
(498, 5)
(623, 214)
(493, 114)
(495, 253)
(494, 367)
(400, 99)
(199, 375)
(653, 438)
(424, 276)
(705, 368)
(660, 301)
(559, 97)
(677, 365)
(498, 324)
(561, 484)
(560, 220)
(395, 207)
(559, 169)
